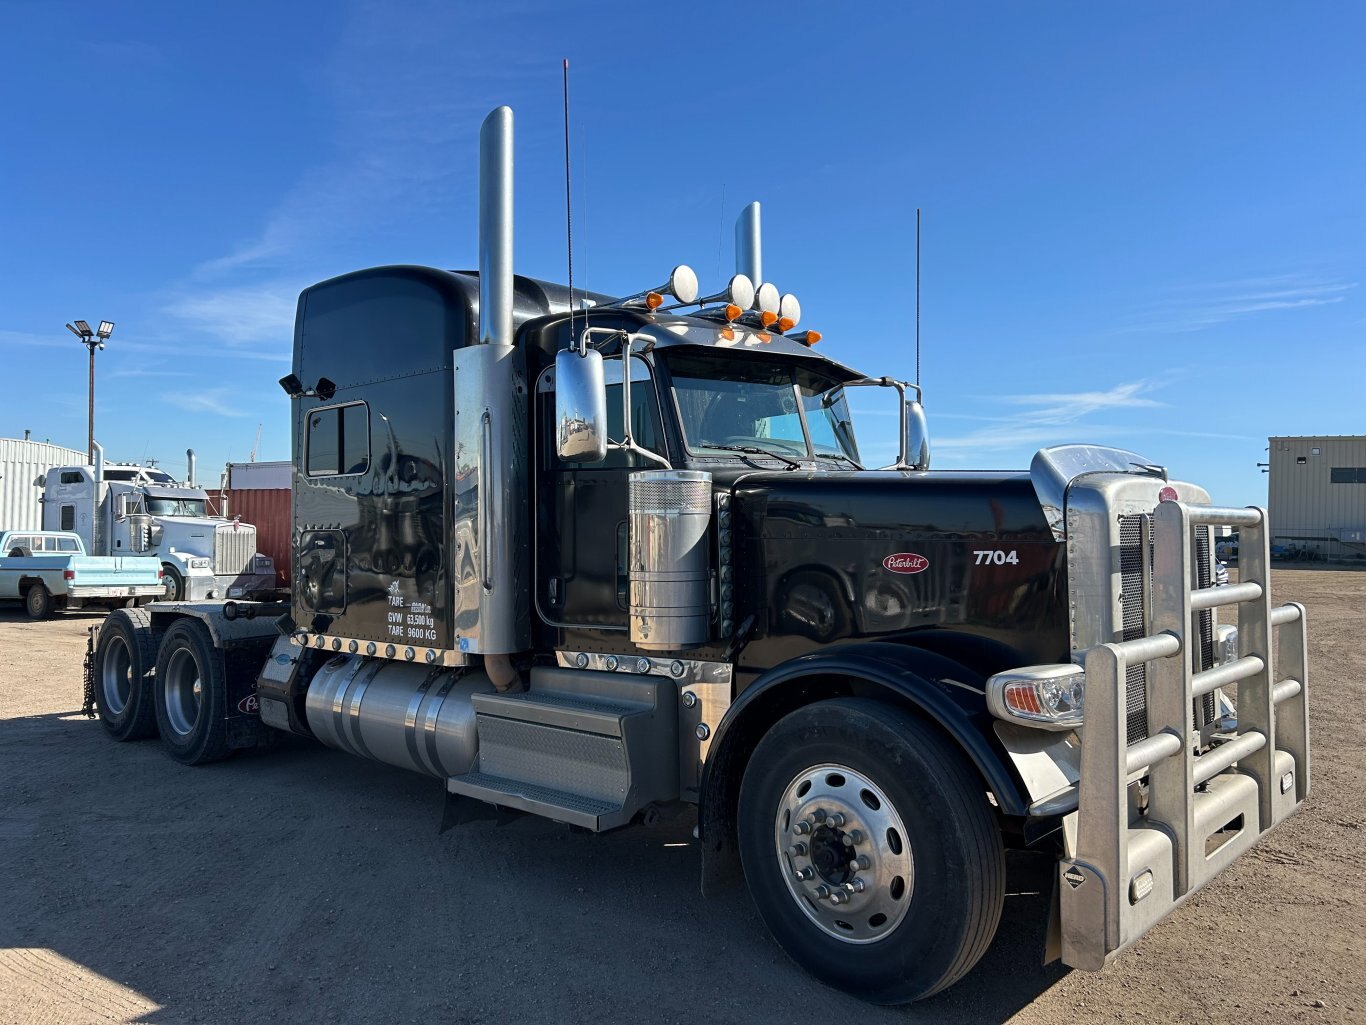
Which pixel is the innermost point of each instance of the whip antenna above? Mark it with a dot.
(917, 295)
(568, 219)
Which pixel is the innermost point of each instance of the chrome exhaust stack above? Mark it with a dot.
(491, 571)
(495, 228)
(749, 249)
(189, 468)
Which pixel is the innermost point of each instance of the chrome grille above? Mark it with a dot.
(233, 546)
(1135, 570)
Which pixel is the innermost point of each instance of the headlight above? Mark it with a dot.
(1051, 697)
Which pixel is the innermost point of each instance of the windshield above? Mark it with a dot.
(175, 506)
(731, 404)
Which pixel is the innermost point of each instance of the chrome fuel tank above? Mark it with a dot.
(416, 717)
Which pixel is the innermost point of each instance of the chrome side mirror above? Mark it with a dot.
(580, 407)
(916, 455)
(121, 506)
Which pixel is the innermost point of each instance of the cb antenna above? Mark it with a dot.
(568, 219)
(917, 295)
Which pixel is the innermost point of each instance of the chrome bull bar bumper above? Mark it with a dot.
(1128, 869)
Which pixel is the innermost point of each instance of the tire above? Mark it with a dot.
(124, 687)
(190, 691)
(173, 584)
(915, 810)
(38, 601)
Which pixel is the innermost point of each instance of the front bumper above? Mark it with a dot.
(1128, 863)
(205, 586)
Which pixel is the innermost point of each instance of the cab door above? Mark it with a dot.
(581, 514)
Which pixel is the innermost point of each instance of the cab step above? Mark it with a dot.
(583, 747)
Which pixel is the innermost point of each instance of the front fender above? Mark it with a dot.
(941, 689)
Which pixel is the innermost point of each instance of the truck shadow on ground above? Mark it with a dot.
(306, 883)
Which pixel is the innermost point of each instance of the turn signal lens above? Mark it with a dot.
(786, 324)
(653, 300)
(1050, 697)
(812, 337)
(733, 312)
(768, 318)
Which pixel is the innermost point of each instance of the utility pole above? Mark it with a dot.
(92, 340)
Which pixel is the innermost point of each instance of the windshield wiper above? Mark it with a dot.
(840, 455)
(754, 450)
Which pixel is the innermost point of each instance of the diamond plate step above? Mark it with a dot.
(567, 711)
(547, 802)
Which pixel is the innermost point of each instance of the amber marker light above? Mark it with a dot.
(653, 300)
(808, 337)
(768, 318)
(785, 324)
(733, 312)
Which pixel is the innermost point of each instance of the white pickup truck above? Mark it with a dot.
(48, 570)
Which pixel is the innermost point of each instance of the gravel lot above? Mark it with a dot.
(305, 884)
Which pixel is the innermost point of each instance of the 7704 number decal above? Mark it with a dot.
(996, 557)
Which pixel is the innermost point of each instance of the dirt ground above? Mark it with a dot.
(307, 885)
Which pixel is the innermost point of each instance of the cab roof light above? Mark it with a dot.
(808, 338)
(785, 324)
(768, 318)
(733, 312)
(682, 285)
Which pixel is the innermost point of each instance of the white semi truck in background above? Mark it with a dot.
(126, 509)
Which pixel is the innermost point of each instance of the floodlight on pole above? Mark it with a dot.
(92, 340)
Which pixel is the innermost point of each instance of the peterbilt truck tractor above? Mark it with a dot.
(596, 558)
(126, 509)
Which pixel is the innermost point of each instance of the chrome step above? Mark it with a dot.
(547, 802)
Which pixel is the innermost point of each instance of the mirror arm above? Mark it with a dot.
(628, 443)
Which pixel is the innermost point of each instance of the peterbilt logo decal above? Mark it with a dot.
(906, 562)
(249, 705)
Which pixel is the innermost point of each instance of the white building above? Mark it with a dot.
(1317, 492)
(21, 463)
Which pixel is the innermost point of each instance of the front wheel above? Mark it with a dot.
(38, 601)
(190, 688)
(172, 584)
(870, 849)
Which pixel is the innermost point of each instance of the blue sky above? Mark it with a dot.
(1145, 225)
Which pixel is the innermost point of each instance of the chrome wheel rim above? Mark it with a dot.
(844, 853)
(183, 691)
(116, 676)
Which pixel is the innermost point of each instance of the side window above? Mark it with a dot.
(646, 430)
(338, 440)
(71, 476)
(68, 518)
(66, 544)
(19, 544)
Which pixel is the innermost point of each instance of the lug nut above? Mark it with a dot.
(823, 892)
(818, 816)
(802, 828)
(839, 897)
(864, 862)
(803, 874)
(797, 850)
(837, 819)
(847, 840)
(856, 836)
(856, 885)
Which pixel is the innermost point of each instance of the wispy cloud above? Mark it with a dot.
(1195, 307)
(239, 316)
(218, 401)
(1050, 419)
(148, 372)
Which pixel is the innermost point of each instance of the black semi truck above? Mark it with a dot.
(593, 559)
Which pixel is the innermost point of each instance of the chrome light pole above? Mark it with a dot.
(92, 340)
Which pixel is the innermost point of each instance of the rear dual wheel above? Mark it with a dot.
(191, 688)
(124, 659)
(870, 849)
